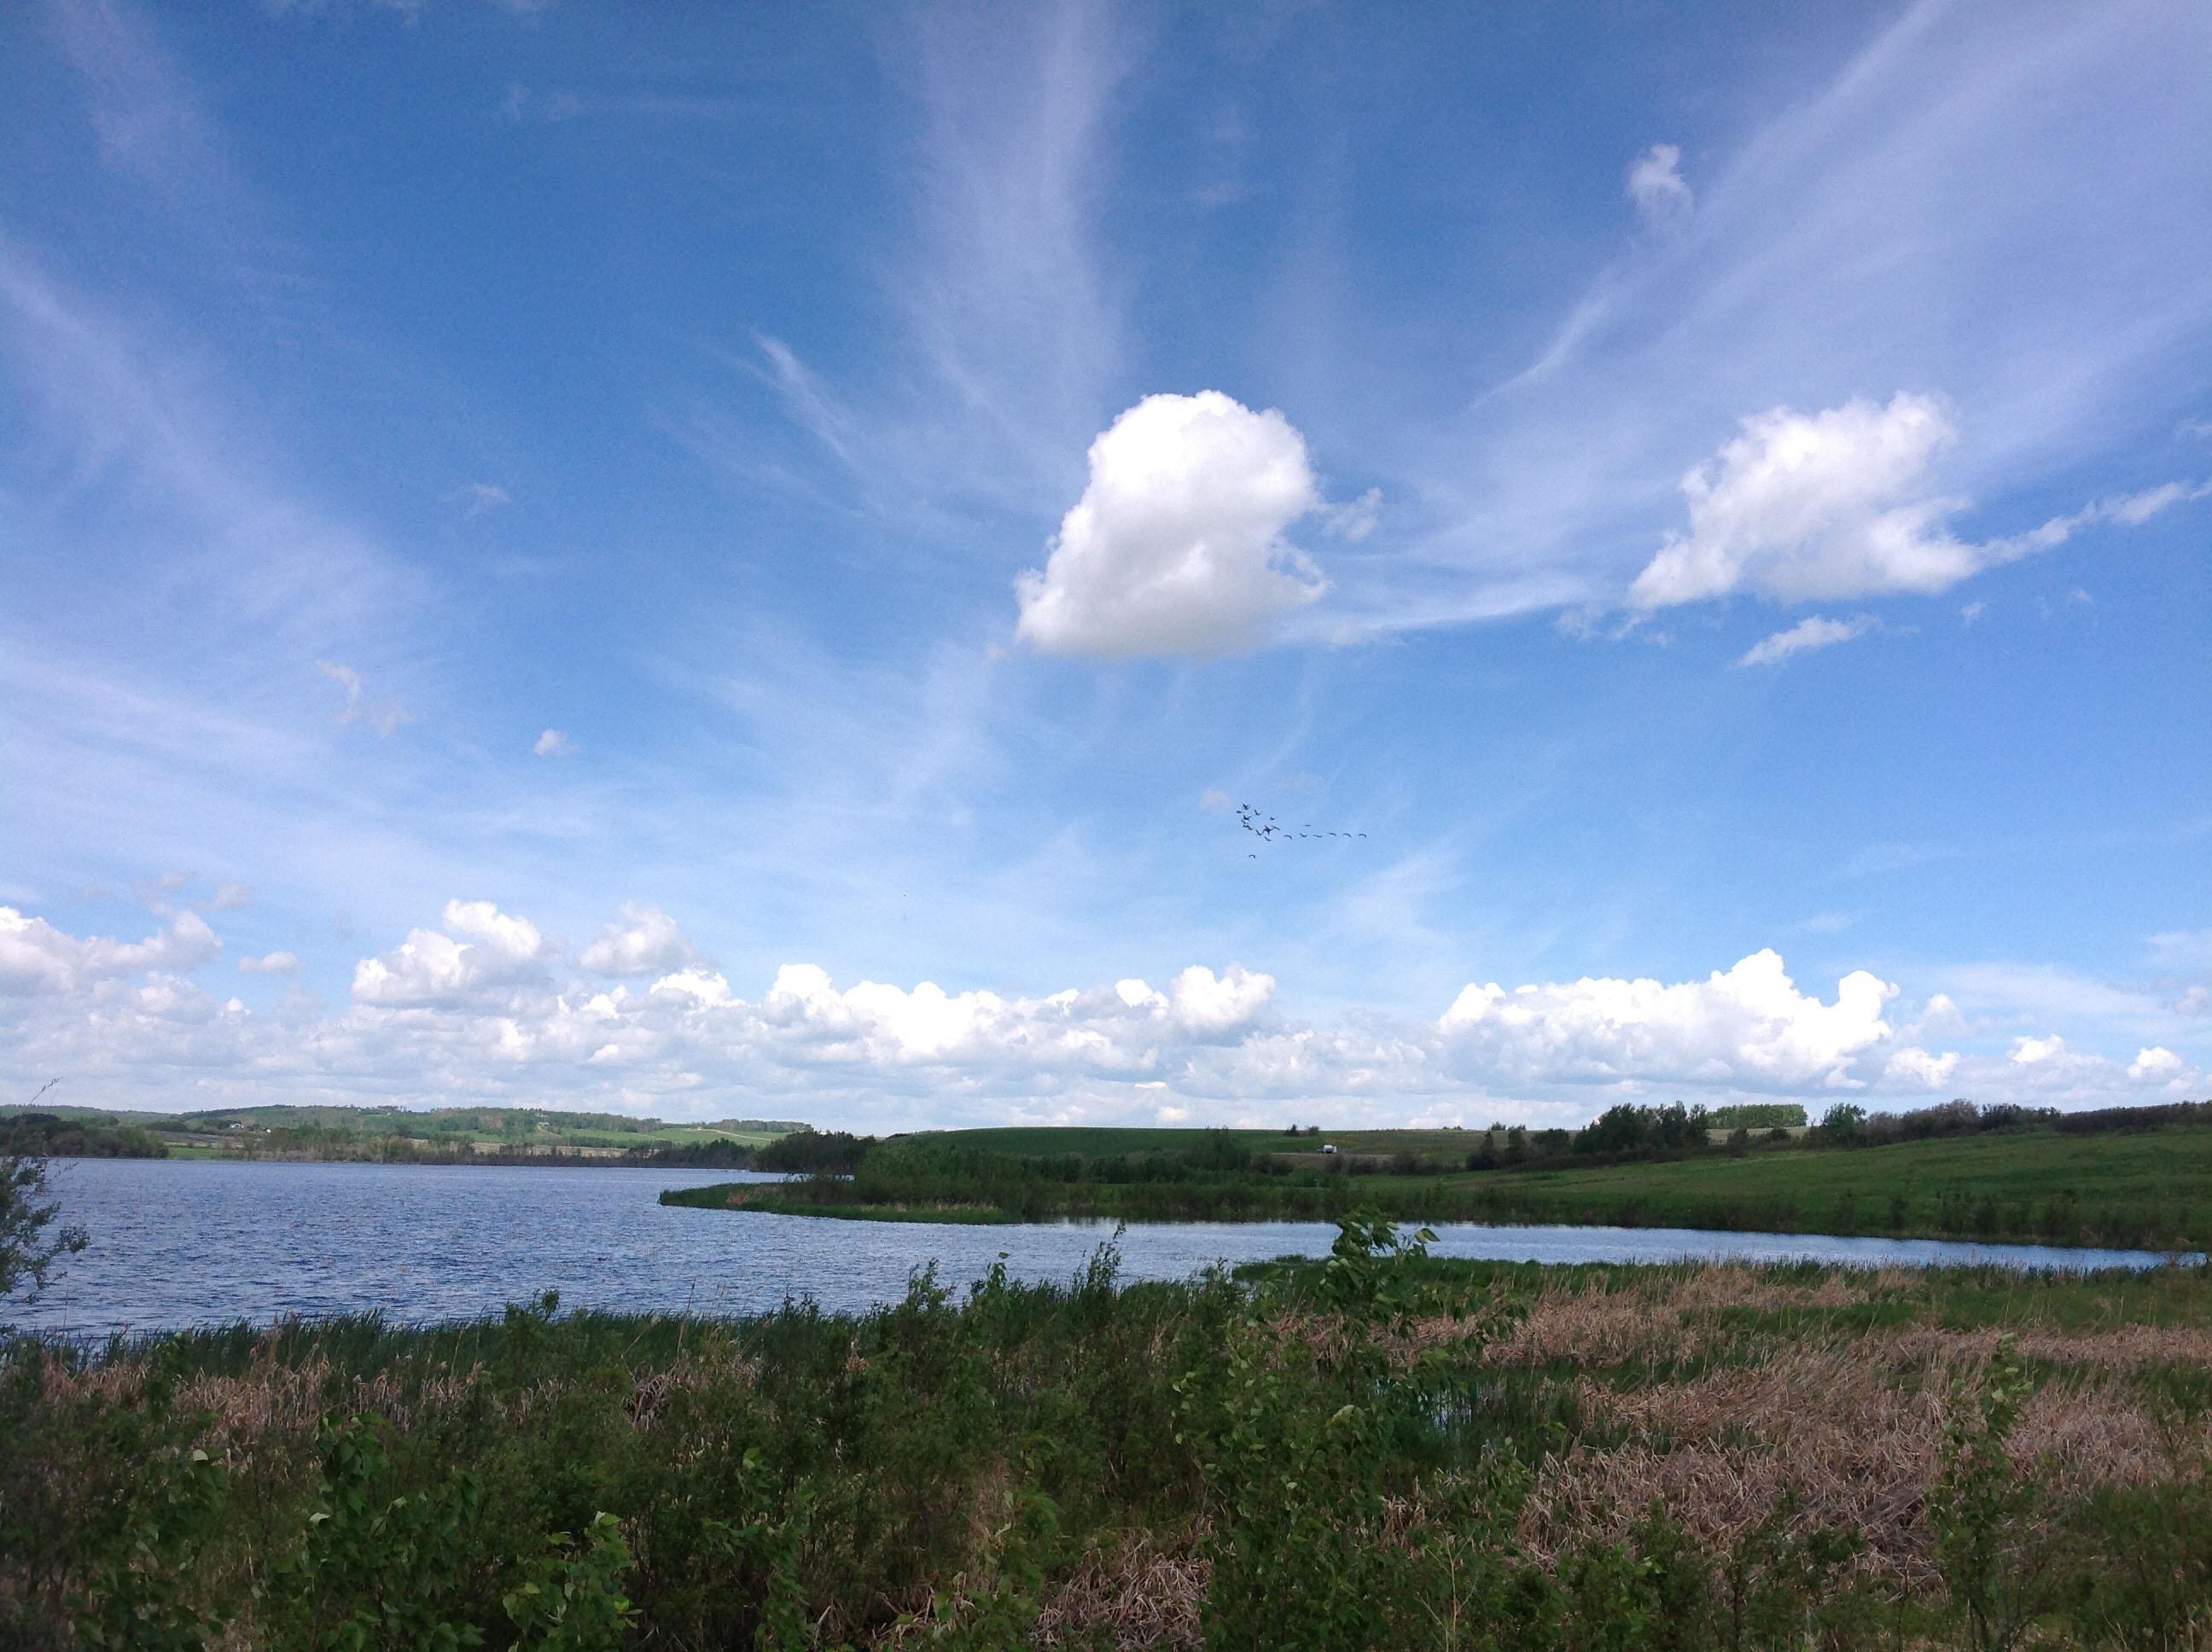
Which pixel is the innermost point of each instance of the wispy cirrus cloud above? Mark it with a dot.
(1810, 633)
(1863, 236)
(384, 716)
(128, 410)
(1007, 322)
(148, 117)
(479, 497)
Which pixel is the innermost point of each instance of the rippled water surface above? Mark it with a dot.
(178, 1242)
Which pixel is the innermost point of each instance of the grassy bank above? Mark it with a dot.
(2151, 1188)
(1378, 1452)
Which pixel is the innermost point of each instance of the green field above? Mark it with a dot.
(2162, 1171)
(2150, 1188)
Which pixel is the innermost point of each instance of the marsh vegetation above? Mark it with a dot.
(1378, 1450)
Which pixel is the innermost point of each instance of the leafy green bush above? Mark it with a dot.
(31, 1246)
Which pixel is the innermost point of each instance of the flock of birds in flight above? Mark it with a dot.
(1268, 830)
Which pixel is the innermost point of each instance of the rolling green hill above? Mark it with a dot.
(394, 1132)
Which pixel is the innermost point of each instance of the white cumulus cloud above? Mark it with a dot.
(1805, 506)
(35, 957)
(486, 1007)
(270, 963)
(1914, 1068)
(480, 948)
(553, 744)
(1746, 1025)
(1205, 1003)
(1177, 546)
(1198, 1001)
(2156, 1065)
(644, 941)
(1801, 506)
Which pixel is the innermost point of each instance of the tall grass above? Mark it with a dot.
(1380, 1450)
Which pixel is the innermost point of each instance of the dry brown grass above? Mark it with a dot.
(1847, 1431)
(1842, 1427)
(1139, 1596)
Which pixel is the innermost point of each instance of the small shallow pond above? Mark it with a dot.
(178, 1243)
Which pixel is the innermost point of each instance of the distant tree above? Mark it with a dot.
(1841, 1125)
(1676, 1127)
(813, 1151)
(2010, 1115)
(1758, 1115)
(1625, 1128)
(1621, 1128)
(2135, 1118)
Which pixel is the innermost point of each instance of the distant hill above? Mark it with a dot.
(394, 1132)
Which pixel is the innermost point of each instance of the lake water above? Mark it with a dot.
(178, 1243)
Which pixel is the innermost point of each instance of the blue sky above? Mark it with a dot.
(721, 563)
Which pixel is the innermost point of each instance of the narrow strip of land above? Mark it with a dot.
(2146, 1187)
